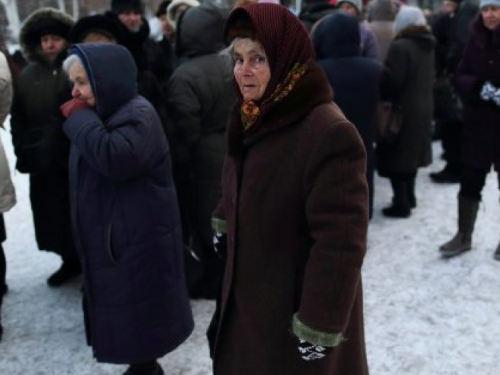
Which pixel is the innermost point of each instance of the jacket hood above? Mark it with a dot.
(421, 35)
(112, 74)
(337, 36)
(200, 30)
(37, 25)
(381, 10)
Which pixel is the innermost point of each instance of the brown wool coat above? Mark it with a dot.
(295, 201)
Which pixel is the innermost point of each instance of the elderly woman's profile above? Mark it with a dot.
(125, 214)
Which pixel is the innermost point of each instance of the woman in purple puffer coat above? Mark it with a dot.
(477, 80)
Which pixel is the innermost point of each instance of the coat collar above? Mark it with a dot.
(312, 90)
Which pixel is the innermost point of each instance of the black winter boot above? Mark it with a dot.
(462, 241)
(400, 207)
(69, 269)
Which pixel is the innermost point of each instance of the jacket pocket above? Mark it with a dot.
(111, 252)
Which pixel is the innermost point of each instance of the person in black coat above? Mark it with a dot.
(354, 79)
(451, 29)
(125, 213)
(41, 148)
(200, 96)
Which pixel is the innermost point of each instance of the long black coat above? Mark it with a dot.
(408, 79)
(41, 148)
(125, 216)
(355, 80)
(481, 133)
(199, 99)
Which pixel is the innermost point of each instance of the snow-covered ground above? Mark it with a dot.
(423, 315)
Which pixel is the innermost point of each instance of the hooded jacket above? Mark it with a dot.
(125, 216)
(355, 79)
(41, 148)
(39, 90)
(199, 98)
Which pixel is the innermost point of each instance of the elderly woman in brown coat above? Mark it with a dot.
(295, 206)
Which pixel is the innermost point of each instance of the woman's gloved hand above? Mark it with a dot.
(311, 352)
(490, 92)
(220, 245)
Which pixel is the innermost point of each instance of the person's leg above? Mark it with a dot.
(410, 189)
(471, 184)
(451, 142)
(400, 207)
(496, 255)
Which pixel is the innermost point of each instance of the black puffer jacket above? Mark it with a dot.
(200, 95)
(36, 122)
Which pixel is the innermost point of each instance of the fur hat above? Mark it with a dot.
(121, 6)
(484, 3)
(41, 22)
(172, 7)
(409, 16)
(97, 23)
(358, 4)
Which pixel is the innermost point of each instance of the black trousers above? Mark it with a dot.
(472, 181)
(451, 132)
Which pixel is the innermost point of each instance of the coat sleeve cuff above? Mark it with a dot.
(219, 225)
(312, 336)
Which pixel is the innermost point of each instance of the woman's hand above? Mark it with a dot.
(490, 92)
(311, 352)
(71, 106)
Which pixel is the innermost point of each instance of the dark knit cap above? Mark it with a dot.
(121, 6)
(97, 23)
(162, 8)
(283, 36)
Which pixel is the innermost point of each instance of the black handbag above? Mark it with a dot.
(388, 121)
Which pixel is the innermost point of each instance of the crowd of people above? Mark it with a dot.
(233, 159)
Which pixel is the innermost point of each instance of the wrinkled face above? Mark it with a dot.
(350, 9)
(82, 90)
(449, 6)
(52, 45)
(491, 16)
(131, 19)
(251, 68)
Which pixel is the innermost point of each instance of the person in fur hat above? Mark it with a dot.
(41, 148)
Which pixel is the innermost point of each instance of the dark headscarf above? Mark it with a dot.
(287, 45)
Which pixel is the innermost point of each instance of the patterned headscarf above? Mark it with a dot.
(287, 45)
